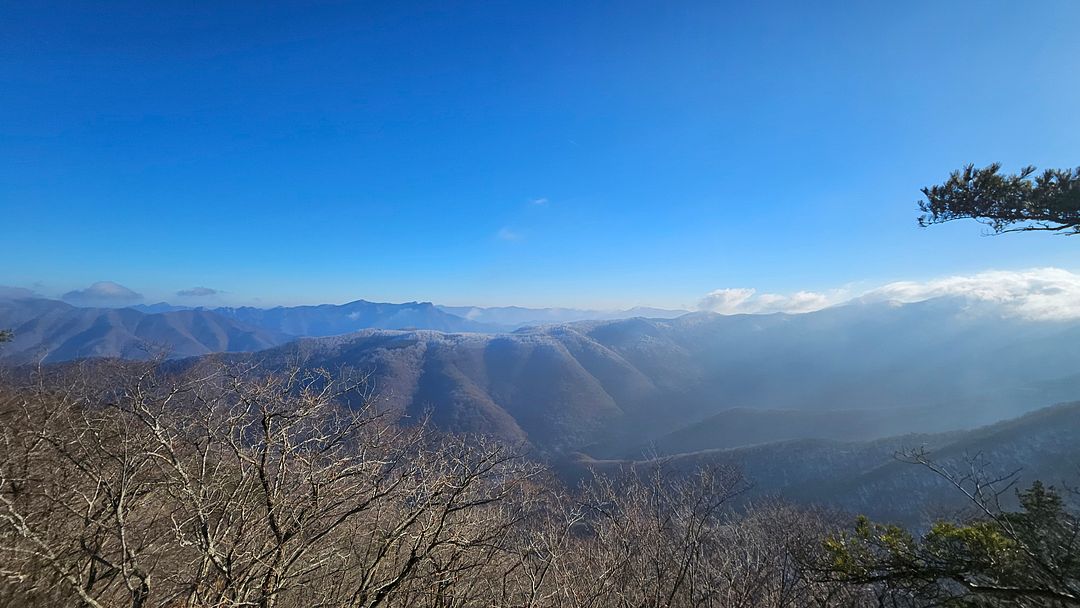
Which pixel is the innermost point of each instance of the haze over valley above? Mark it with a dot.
(853, 381)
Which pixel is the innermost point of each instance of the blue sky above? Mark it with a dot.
(547, 153)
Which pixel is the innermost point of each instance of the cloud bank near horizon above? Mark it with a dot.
(1036, 293)
(1045, 293)
(743, 300)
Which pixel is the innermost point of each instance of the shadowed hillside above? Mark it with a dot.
(866, 476)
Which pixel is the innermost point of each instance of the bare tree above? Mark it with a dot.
(226, 488)
(221, 486)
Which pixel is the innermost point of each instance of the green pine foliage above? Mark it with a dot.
(1029, 557)
(1007, 203)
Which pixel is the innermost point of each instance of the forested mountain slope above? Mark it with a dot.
(868, 477)
(613, 385)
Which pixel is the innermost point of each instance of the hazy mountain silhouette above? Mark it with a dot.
(867, 477)
(517, 316)
(336, 319)
(160, 307)
(608, 386)
(746, 426)
(615, 388)
(50, 330)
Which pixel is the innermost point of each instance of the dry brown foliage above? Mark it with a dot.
(223, 487)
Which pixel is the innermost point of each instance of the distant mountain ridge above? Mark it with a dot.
(322, 320)
(606, 386)
(335, 319)
(518, 316)
(124, 332)
(51, 331)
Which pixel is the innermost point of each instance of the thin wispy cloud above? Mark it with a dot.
(507, 234)
(539, 202)
(1037, 294)
(197, 292)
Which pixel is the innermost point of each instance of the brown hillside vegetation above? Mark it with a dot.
(223, 489)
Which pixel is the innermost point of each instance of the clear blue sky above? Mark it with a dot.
(315, 152)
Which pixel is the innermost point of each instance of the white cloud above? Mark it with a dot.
(1037, 293)
(539, 201)
(197, 292)
(102, 293)
(747, 300)
(506, 234)
(726, 301)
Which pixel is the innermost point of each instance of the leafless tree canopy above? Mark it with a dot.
(226, 488)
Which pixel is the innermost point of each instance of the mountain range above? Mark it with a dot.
(811, 406)
(704, 381)
(614, 387)
(332, 319)
(51, 331)
(518, 316)
(336, 319)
